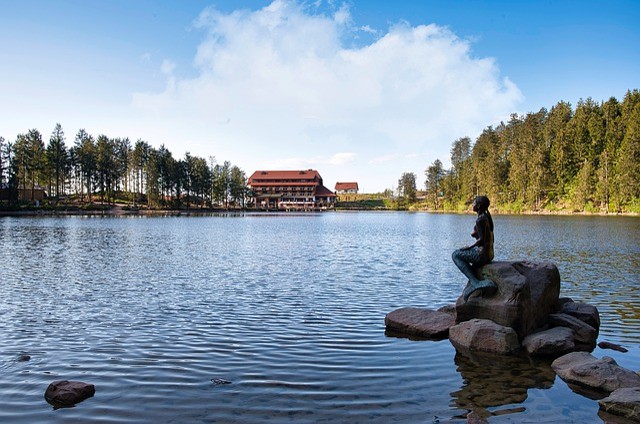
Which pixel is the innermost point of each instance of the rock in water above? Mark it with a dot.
(420, 322)
(481, 335)
(584, 312)
(584, 333)
(68, 393)
(624, 402)
(553, 342)
(612, 346)
(586, 370)
(527, 293)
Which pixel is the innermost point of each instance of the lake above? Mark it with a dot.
(288, 308)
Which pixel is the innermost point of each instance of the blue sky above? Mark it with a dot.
(360, 90)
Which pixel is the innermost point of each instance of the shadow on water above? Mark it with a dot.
(491, 382)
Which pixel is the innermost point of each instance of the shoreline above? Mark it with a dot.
(120, 211)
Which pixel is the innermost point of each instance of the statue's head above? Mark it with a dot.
(481, 203)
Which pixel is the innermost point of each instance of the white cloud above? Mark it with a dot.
(167, 67)
(383, 159)
(368, 29)
(342, 158)
(287, 83)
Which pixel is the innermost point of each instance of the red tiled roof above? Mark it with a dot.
(287, 184)
(347, 186)
(324, 192)
(308, 174)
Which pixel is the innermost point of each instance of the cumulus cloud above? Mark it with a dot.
(291, 84)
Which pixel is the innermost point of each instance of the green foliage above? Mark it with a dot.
(582, 160)
(115, 171)
(407, 188)
(633, 206)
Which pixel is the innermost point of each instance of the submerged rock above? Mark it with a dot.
(420, 322)
(68, 393)
(482, 335)
(624, 402)
(586, 370)
(612, 346)
(527, 293)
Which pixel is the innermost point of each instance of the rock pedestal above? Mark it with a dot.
(527, 293)
(525, 300)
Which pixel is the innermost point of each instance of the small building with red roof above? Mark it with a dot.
(346, 188)
(290, 190)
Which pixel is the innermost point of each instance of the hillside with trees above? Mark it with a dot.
(582, 159)
(114, 169)
(585, 159)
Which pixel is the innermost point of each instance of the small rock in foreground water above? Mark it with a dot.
(612, 346)
(66, 393)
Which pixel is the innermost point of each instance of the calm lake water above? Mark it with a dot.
(289, 309)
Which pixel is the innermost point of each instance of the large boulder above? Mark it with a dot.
(66, 393)
(585, 370)
(481, 335)
(553, 342)
(527, 293)
(420, 322)
(624, 402)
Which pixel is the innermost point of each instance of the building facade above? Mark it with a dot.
(289, 190)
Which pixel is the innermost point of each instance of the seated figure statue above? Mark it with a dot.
(471, 258)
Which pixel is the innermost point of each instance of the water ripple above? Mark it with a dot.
(290, 310)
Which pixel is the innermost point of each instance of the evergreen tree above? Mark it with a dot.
(86, 157)
(558, 140)
(433, 183)
(407, 186)
(57, 159)
(628, 160)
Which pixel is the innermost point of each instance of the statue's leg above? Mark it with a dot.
(463, 260)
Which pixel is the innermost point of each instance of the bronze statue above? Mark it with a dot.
(472, 258)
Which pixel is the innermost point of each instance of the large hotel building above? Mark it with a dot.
(290, 190)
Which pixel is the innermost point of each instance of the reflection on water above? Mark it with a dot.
(290, 309)
(489, 383)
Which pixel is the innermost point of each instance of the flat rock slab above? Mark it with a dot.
(482, 335)
(420, 322)
(586, 370)
(67, 393)
(623, 402)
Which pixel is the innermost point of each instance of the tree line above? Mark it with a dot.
(582, 159)
(110, 169)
